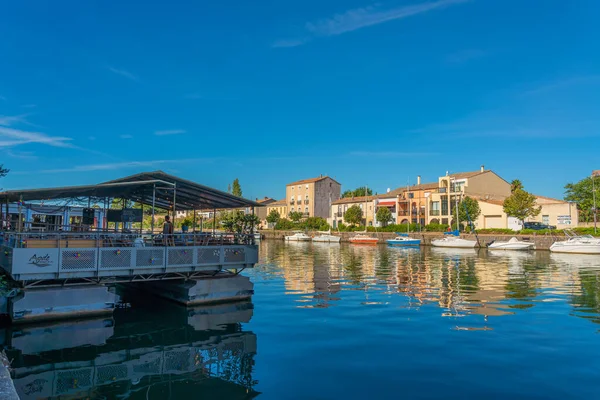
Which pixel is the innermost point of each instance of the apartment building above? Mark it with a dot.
(280, 206)
(555, 212)
(483, 184)
(339, 208)
(261, 212)
(312, 197)
(407, 204)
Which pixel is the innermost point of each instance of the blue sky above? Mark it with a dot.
(274, 91)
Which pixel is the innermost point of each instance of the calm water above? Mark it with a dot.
(342, 322)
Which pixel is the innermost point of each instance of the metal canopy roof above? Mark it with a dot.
(139, 188)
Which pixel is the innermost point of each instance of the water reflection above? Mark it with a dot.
(159, 352)
(459, 281)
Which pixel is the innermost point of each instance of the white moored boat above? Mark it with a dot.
(326, 237)
(512, 244)
(586, 244)
(298, 237)
(451, 239)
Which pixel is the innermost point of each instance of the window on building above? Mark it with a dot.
(292, 209)
(307, 185)
(444, 205)
(299, 197)
(306, 210)
(292, 188)
(299, 187)
(411, 195)
(546, 219)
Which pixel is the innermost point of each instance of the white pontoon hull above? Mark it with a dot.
(327, 239)
(454, 242)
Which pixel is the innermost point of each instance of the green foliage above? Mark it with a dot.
(400, 228)
(353, 215)
(3, 171)
(238, 222)
(295, 216)
(315, 224)
(436, 228)
(499, 231)
(582, 194)
(358, 192)
(285, 224)
(471, 206)
(236, 189)
(384, 215)
(515, 185)
(273, 217)
(521, 205)
(310, 224)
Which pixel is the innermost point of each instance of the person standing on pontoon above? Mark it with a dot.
(168, 232)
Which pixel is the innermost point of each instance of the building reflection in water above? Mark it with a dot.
(459, 281)
(165, 352)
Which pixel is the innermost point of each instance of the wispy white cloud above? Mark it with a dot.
(24, 155)
(10, 120)
(126, 136)
(13, 137)
(564, 83)
(389, 154)
(359, 18)
(169, 132)
(123, 73)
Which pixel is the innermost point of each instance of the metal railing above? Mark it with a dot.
(434, 213)
(101, 239)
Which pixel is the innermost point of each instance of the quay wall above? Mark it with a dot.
(542, 242)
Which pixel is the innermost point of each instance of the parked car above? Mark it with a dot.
(537, 226)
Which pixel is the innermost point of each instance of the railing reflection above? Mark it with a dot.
(198, 352)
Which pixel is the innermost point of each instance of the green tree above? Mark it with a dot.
(273, 217)
(353, 215)
(358, 192)
(515, 184)
(469, 206)
(236, 189)
(521, 205)
(295, 216)
(3, 171)
(582, 193)
(384, 215)
(238, 222)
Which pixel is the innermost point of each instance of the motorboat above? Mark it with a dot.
(298, 237)
(362, 238)
(326, 237)
(403, 240)
(512, 244)
(451, 239)
(586, 244)
(257, 236)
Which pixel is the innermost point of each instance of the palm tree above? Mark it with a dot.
(515, 185)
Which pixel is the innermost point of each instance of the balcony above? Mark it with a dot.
(442, 190)
(434, 213)
(339, 214)
(306, 201)
(292, 202)
(403, 213)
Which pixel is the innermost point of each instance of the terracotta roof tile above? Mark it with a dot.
(358, 199)
(312, 180)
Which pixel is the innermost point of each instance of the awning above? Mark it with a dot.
(147, 188)
(387, 204)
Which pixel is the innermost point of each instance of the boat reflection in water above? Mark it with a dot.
(162, 352)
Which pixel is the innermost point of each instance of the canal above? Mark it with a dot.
(340, 322)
